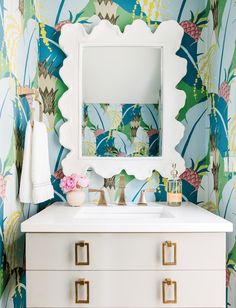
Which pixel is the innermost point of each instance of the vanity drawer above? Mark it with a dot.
(125, 288)
(125, 251)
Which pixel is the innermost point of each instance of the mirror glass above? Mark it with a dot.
(122, 101)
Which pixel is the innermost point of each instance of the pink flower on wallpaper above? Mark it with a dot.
(121, 154)
(2, 187)
(227, 277)
(59, 174)
(224, 91)
(60, 24)
(29, 99)
(99, 132)
(152, 132)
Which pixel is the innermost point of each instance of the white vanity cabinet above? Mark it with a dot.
(125, 269)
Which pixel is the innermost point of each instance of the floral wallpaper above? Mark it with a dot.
(30, 56)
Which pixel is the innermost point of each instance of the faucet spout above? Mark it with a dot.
(122, 191)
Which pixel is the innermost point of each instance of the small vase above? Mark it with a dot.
(75, 197)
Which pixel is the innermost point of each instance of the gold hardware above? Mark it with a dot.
(81, 244)
(22, 91)
(142, 199)
(168, 244)
(79, 283)
(32, 110)
(122, 191)
(26, 91)
(169, 282)
(102, 200)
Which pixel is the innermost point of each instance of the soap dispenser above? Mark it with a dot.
(174, 188)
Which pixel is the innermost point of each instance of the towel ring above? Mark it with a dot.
(22, 91)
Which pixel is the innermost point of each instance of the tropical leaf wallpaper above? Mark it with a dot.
(121, 130)
(30, 56)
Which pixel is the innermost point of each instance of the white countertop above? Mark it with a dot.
(156, 217)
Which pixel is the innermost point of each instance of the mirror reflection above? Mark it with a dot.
(121, 101)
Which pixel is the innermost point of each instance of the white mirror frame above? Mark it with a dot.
(168, 36)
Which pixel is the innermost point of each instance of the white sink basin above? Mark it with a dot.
(124, 213)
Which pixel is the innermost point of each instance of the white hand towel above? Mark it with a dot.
(42, 187)
(25, 193)
(35, 184)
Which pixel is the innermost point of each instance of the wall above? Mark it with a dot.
(18, 66)
(222, 186)
(208, 115)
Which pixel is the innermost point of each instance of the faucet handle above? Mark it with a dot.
(102, 200)
(142, 199)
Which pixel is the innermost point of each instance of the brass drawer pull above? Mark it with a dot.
(165, 245)
(165, 283)
(78, 245)
(81, 282)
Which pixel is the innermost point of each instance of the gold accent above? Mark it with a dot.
(122, 191)
(32, 111)
(142, 199)
(81, 282)
(169, 244)
(22, 91)
(81, 244)
(169, 282)
(26, 91)
(102, 200)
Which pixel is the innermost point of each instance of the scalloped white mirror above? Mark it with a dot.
(122, 99)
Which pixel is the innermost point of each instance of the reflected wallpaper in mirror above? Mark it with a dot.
(121, 130)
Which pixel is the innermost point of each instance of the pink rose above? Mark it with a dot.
(69, 183)
(83, 181)
(73, 182)
(2, 187)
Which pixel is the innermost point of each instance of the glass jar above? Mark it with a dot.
(174, 189)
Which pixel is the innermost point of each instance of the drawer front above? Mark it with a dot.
(125, 289)
(121, 251)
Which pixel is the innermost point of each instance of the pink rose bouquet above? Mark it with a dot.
(73, 182)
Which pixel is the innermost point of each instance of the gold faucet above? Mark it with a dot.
(142, 199)
(122, 191)
(102, 200)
